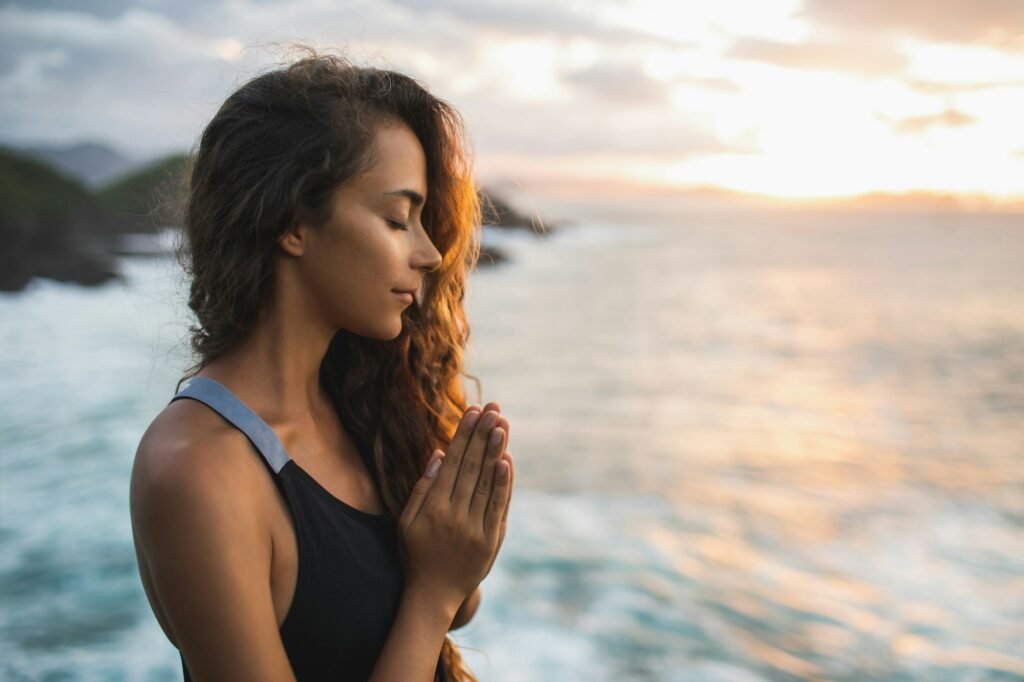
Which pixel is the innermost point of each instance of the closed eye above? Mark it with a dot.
(397, 224)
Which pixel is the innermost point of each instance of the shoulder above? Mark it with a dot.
(188, 459)
(204, 544)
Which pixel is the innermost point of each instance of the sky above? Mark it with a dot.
(786, 98)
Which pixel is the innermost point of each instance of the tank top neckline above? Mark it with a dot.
(218, 396)
(345, 506)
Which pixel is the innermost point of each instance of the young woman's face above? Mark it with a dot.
(373, 244)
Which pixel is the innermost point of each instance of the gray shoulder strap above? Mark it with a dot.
(222, 401)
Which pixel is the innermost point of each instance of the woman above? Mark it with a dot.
(286, 521)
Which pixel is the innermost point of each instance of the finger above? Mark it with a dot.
(499, 498)
(473, 462)
(494, 405)
(454, 454)
(495, 446)
(420, 490)
(503, 423)
(507, 458)
(511, 486)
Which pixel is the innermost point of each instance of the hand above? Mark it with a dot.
(507, 456)
(452, 526)
(461, 617)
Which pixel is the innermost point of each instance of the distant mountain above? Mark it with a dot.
(152, 197)
(48, 226)
(875, 201)
(667, 198)
(916, 202)
(90, 163)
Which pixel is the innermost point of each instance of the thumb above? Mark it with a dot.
(422, 487)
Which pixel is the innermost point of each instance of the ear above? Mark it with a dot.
(293, 241)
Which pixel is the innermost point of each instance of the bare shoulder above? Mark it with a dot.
(188, 447)
(193, 468)
(190, 459)
(204, 544)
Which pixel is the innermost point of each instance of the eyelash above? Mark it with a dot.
(398, 225)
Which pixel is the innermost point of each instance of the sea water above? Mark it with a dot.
(748, 447)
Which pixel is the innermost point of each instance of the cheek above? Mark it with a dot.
(368, 265)
(352, 280)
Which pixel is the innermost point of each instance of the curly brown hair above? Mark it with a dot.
(274, 152)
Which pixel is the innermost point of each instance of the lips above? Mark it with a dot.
(407, 296)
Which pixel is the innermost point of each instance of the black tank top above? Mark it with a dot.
(350, 579)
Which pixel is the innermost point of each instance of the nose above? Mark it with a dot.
(426, 257)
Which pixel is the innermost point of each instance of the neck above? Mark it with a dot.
(276, 368)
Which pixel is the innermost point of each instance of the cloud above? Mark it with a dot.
(950, 118)
(625, 84)
(146, 76)
(538, 18)
(995, 22)
(587, 127)
(940, 88)
(867, 58)
(105, 9)
(580, 84)
(72, 75)
(112, 9)
(147, 81)
(722, 84)
(520, 17)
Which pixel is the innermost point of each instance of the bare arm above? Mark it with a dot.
(467, 610)
(208, 557)
(414, 643)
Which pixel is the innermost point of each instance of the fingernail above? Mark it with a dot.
(432, 469)
(496, 435)
(471, 418)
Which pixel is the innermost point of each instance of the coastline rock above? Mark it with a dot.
(490, 256)
(48, 224)
(54, 227)
(498, 213)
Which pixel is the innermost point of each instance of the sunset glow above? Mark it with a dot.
(784, 98)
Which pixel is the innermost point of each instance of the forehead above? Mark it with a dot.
(399, 162)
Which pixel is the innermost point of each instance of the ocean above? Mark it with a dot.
(749, 446)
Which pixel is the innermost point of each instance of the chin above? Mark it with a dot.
(389, 333)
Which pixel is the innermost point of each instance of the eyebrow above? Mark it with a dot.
(415, 197)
